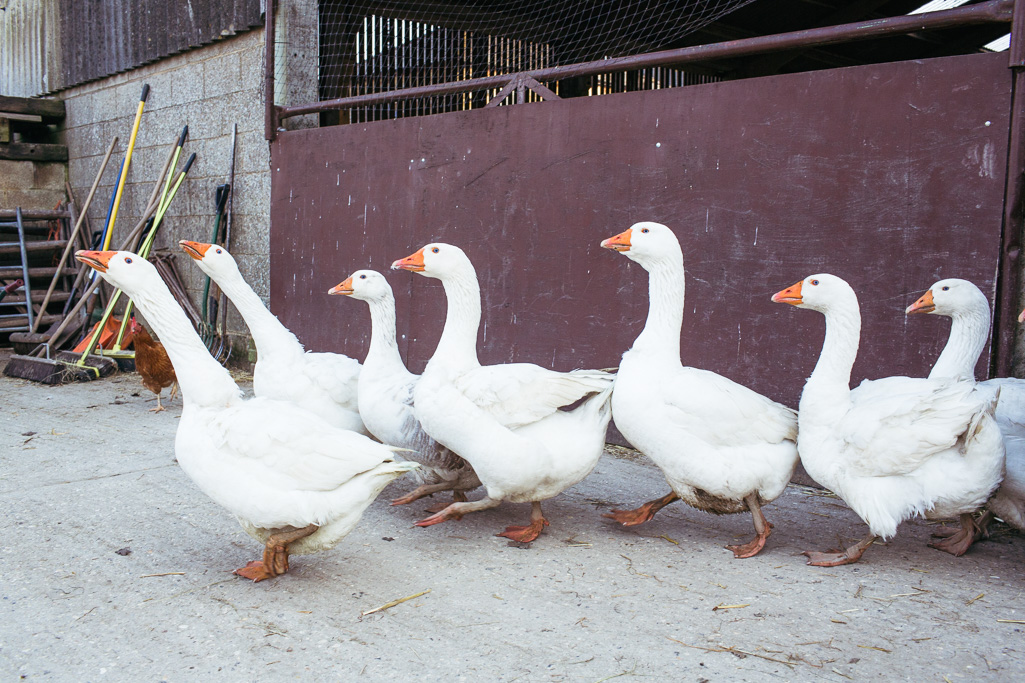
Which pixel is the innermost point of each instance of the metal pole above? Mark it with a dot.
(24, 270)
(1009, 282)
(270, 115)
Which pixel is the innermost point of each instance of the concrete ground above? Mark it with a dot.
(113, 566)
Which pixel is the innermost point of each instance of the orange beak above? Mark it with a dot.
(344, 287)
(96, 259)
(620, 242)
(413, 263)
(924, 304)
(790, 295)
(196, 250)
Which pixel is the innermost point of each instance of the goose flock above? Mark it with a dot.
(300, 462)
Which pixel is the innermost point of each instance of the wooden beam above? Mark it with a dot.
(51, 111)
(40, 245)
(28, 151)
(34, 214)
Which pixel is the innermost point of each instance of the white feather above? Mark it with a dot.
(896, 447)
(323, 383)
(509, 421)
(708, 434)
(968, 309)
(270, 463)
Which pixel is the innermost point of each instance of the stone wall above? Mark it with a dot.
(209, 89)
(32, 184)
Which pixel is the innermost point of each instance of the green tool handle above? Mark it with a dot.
(171, 162)
(147, 244)
(206, 283)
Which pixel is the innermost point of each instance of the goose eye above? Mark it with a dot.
(815, 282)
(218, 251)
(435, 250)
(644, 230)
(362, 277)
(128, 260)
(946, 288)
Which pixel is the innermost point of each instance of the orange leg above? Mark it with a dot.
(526, 534)
(457, 510)
(457, 497)
(421, 491)
(959, 542)
(275, 555)
(762, 530)
(644, 512)
(836, 557)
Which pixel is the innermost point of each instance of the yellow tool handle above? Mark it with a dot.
(128, 161)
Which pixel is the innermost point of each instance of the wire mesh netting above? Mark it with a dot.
(377, 46)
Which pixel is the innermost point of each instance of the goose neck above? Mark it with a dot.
(384, 347)
(269, 335)
(458, 343)
(839, 349)
(968, 333)
(203, 381)
(666, 287)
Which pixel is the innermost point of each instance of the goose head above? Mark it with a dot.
(820, 293)
(365, 285)
(212, 259)
(437, 260)
(646, 243)
(951, 297)
(123, 269)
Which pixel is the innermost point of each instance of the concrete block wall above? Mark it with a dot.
(34, 185)
(209, 89)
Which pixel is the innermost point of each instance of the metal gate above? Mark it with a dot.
(891, 176)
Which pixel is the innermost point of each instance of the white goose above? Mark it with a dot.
(323, 383)
(722, 447)
(530, 433)
(894, 447)
(386, 396)
(968, 309)
(292, 480)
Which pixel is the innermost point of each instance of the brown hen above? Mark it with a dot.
(152, 364)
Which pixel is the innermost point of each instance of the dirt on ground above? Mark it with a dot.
(114, 566)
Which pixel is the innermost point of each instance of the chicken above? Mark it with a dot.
(152, 364)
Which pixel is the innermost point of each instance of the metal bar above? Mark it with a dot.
(503, 93)
(1008, 304)
(541, 91)
(34, 215)
(24, 270)
(994, 11)
(270, 114)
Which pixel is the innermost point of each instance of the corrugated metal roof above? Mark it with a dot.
(50, 45)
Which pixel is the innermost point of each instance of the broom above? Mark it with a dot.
(39, 365)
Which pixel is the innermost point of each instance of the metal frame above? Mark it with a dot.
(995, 11)
(27, 287)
